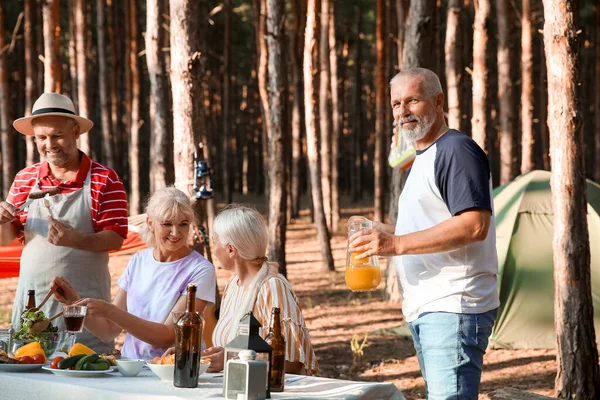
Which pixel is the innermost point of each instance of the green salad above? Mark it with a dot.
(45, 337)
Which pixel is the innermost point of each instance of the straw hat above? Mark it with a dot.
(51, 104)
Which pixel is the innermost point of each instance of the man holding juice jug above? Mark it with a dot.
(444, 241)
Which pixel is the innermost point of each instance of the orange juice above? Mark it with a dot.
(363, 278)
(358, 261)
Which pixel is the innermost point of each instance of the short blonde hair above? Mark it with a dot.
(166, 204)
(245, 229)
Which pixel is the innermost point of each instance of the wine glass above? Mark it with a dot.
(74, 317)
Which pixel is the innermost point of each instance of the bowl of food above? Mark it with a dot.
(164, 367)
(131, 367)
(49, 341)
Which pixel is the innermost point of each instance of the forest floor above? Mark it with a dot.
(335, 315)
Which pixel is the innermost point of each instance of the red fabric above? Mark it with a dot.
(10, 255)
(109, 200)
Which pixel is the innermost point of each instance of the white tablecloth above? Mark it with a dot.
(47, 386)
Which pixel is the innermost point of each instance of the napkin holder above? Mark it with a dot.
(246, 377)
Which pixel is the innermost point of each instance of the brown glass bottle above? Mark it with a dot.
(30, 299)
(188, 334)
(276, 340)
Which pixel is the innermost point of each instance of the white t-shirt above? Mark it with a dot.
(154, 287)
(450, 176)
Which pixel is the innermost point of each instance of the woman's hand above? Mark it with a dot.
(216, 355)
(63, 291)
(95, 307)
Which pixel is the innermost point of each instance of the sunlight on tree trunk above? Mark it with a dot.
(479, 121)
(453, 64)
(527, 138)
(31, 68)
(325, 111)
(506, 94)
(103, 83)
(380, 103)
(577, 356)
(335, 122)
(135, 200)
(311, 83)
(187, 88)
(278, 139)
(161, 137)
(51, 12)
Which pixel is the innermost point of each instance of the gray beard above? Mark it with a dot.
(420, 131)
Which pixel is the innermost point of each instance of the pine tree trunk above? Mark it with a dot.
(416, 53)
(506, 93)
(278, 129)
(31, 88)
(51, 13)
(225, 159)
(336, 122)
(261, 46)
(297, 105)
(597, 92)
(186, 86)
(7, 133)
(544, 134)
(160, 136)
(380, 103)
(325, 110)
(479, 121)
(577, 355)
(453, 64)
(73, 52)
(103, 83)
(528, 135)
(82, 91)
(311, 83)
(357, 148)
(135, 202)
(401, 25)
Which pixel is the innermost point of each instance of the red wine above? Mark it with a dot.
(188, 334)
(74, 324)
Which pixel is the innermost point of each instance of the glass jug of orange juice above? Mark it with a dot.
(362, 274)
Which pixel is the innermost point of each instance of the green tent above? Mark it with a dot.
(524, 229)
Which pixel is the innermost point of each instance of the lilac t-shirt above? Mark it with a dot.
(154, 287)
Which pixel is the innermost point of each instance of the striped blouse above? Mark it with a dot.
(109, 200)
(275, 292)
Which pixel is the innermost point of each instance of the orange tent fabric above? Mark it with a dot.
(10, 255)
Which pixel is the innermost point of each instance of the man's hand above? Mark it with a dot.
(372, 242)
(8, 213)
(63, 291)
(61, 234)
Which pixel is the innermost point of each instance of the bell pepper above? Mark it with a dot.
(79, 348)
(30, 350)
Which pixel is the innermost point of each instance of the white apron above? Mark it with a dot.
(41, 261)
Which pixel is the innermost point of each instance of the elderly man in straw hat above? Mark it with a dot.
(70, 233)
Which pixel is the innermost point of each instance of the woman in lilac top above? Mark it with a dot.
(154, 283)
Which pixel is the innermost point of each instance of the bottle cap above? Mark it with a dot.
(30, 292)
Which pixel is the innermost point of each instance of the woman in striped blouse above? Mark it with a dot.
(240, 242)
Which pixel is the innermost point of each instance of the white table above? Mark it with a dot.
(47, 386)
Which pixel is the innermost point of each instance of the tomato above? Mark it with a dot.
(54, 363)
(39, 359)
(25, 360)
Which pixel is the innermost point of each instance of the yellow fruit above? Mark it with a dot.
(30, 349)
(79, 348)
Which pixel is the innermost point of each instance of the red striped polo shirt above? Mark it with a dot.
(109, 200)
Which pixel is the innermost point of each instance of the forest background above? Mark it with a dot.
(288, 101)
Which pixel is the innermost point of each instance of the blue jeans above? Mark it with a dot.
(450, 348)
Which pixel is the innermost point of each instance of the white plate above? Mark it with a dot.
(20, 367)
(76, 373)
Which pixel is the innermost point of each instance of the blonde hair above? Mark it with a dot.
(165, 205)
(245, 229)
